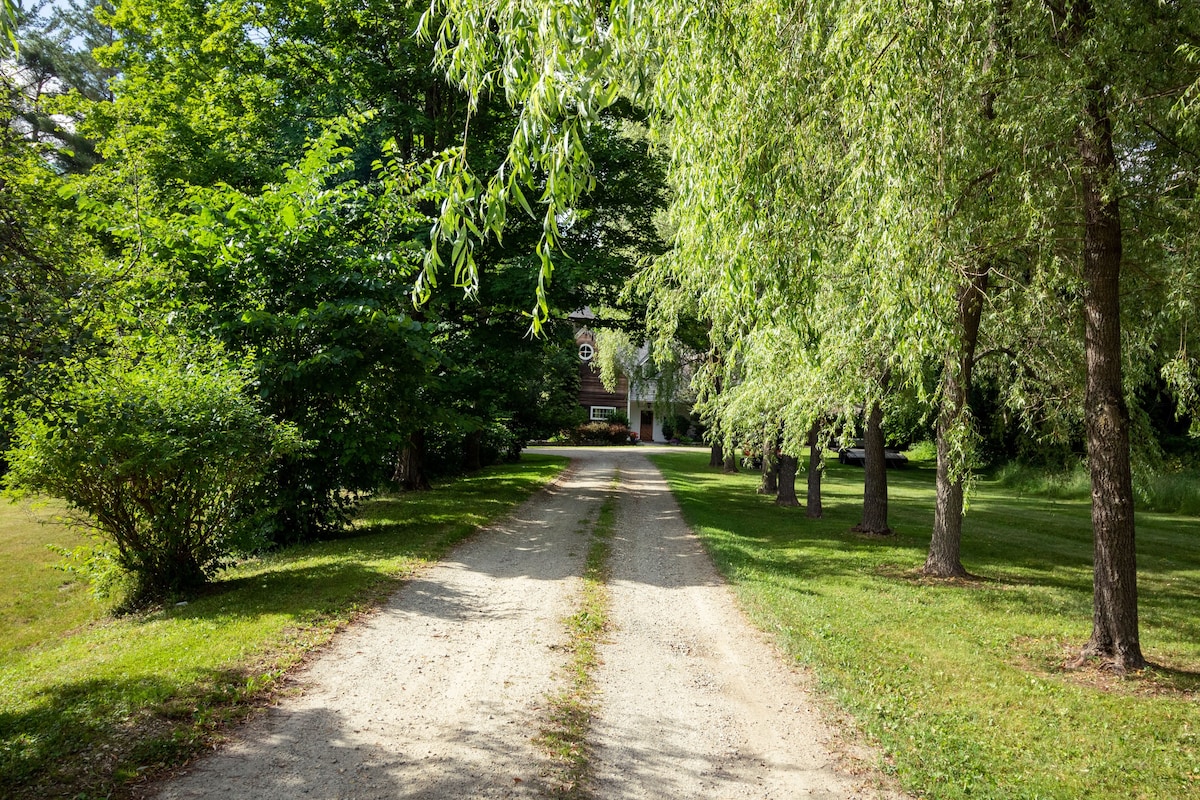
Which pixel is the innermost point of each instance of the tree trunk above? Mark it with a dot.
(944, 559)
(410, 470)
(472, 451)
(945, 546)
(815, 469)
(875, 493)
(770, 468)
(788, 466)
(715, 458)
(730, 466)
(1115, 612)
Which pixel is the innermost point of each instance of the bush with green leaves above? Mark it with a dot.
(156, 454)
(676, 426)
(602, 432)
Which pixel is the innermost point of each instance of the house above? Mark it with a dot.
(637, 402)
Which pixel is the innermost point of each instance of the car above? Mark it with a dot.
(856, 455)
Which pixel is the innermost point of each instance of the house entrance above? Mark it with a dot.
(646, 434)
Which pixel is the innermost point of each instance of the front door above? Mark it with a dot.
(647, 432)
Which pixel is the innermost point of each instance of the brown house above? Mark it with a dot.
(601, 404)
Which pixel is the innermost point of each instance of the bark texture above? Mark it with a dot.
(875, 493)
(473, 451)
(945, 546)
(730, 465)
(770, 468)
(788, 466)
(715, 457)
(1115, 636)
(410, 469)
(813, 508)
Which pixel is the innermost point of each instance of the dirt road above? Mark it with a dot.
(440, 693)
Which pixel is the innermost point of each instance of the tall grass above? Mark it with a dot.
(1172, 489)
(91, 704)
(1063, 484)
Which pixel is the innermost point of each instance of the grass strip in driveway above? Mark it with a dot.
(91, 710)
(564, 736)
(961, 684)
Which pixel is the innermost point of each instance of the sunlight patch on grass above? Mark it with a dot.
(38, 601)
(962, 686)
(92, 703)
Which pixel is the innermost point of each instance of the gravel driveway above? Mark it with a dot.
(439, 694)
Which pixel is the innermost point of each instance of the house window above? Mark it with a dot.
(586, 351)
(603, 412)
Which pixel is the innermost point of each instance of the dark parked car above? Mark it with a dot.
(855, 454)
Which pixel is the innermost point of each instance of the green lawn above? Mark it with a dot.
(90, 704)
(962, 686)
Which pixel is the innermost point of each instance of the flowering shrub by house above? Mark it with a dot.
(603, 433)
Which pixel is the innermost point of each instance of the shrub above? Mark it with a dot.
(603, 433)
(155, 455)
(676, 426)
(924, 450)
(447, 446)
(501, 443)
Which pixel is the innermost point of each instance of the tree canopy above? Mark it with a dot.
(896, 189)
(877, 215)
(261, 180)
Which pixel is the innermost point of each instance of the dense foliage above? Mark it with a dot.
(265, 177)
(156, 452)
(875, 202)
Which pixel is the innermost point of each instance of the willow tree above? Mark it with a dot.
(778, 219)
(1112, 72)
(8, 23)
(863, 158)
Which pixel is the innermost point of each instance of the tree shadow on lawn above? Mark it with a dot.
(1035, 559)
(1004, 543)
(303, 593)
(93, 738)
(1015, 552)
(813, 559)
(286, 582)
(1049, 657)
(1161, 679)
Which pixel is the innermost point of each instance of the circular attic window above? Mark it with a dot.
(586, 351)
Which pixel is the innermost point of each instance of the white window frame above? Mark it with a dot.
(590, 351)
(602, 413)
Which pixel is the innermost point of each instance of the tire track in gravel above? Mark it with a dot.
(695, 703)
(438, 694)
(441, 694)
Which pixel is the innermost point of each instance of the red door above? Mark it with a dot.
(647, 429)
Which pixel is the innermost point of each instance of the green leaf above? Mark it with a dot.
(288, 215)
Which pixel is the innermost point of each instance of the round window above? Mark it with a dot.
(586, 351)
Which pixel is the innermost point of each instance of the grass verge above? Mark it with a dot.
(564, 736)
(90, 706)
(962, 685)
